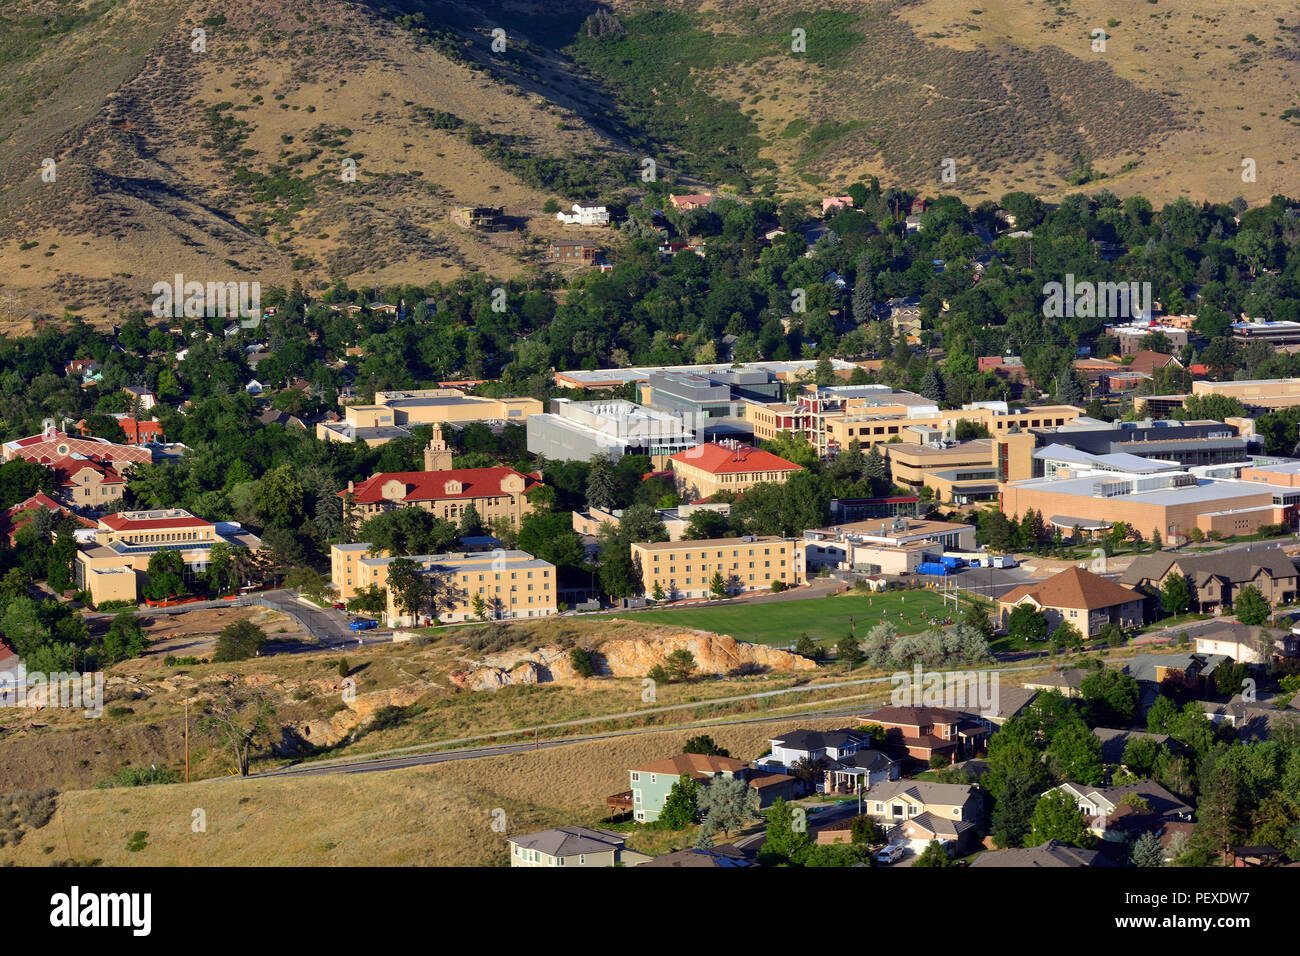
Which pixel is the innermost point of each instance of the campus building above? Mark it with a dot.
(685, 569)
(86, 483)
(52, 445)
(710, 394)
(783, 371)
(394, 412)
(507, 584)
(1174, 503)
(1255, 393)
(113, 566)
(703, 471)
(887, 546)
(961, 472)
(579, 431)
(492, 492)
(1200, 442)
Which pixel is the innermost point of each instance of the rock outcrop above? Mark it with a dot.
(628, 657)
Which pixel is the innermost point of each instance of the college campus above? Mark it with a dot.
(518, 436)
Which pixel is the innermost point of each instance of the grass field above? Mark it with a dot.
(826, 620)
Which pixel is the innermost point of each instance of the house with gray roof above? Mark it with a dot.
(1114, 741)
(1217, 579)
(572, 846)
(1053, 853)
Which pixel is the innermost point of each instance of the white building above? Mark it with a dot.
(584, 214)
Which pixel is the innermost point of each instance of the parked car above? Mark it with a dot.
(340, 606)
(890, 854)
(362, 624)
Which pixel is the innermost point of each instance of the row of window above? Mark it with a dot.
(734, 554)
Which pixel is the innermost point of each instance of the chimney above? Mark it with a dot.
(350, 486)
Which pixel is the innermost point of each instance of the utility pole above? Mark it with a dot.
(187, 740)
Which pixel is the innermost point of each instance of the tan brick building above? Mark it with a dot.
(512, 584)
(394, 412)
(684, 569)
(86, 483)
(704, 470)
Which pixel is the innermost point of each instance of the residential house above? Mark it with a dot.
(846, 757)
(1217, 579)
(720, 857)
(584, 214)
(836, 203)
(919, 811)
(1185, 673)
(1120, 813)
(1246, 644)
(141, 396)
(573, 252)
(1053, 853)
(572, 846)
(1115, 740)
(905, 316)
(691, 201)
(653, 782)
(921, 733)
(1065, 682)
(1088, 601)
(1147, 362)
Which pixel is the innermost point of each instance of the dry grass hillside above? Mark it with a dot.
(228, 163)
(431, 816)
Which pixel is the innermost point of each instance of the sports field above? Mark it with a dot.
(824, 619)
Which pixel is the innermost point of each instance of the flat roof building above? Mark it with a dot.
(578, 431)
(685, 569)
(1256, 392)
(394, 412)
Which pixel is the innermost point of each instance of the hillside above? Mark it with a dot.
(228, 163)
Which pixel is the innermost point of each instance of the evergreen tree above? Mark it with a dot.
(1147, 851)
(1250, 606)
(600, 483)
(932, 384)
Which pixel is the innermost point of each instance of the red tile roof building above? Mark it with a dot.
(704, 470)
(86, 483)
(52, 444)
(492, 492)
(22, 513)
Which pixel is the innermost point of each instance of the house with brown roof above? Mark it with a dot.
(1147, 362)
(690, 201)
(1086, 600)
(920, 733)
(652, 783)
(1216, 579)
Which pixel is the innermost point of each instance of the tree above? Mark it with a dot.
(1066, 637)
(1250, 606)
(1014, 810)
(1161, 715)
(1111, 697)
(933, 855)
(1026, 623)
(680, 808)
(976, 617)
(470, 522)
(239, 640)
(580, 661)
(1075, 752)
(1057, 817)
(704, 744)
(125, 639)
(849, 651)
(1218, 813)
(1175, 595)
(166, 574)
(728, 804)
(807, 647)
(786, 841)
(718, 585)
(680, 664)
(406, 583)
(619, 575)
(241, 717)
(600, 483)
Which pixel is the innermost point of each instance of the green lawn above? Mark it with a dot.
(825, 619)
